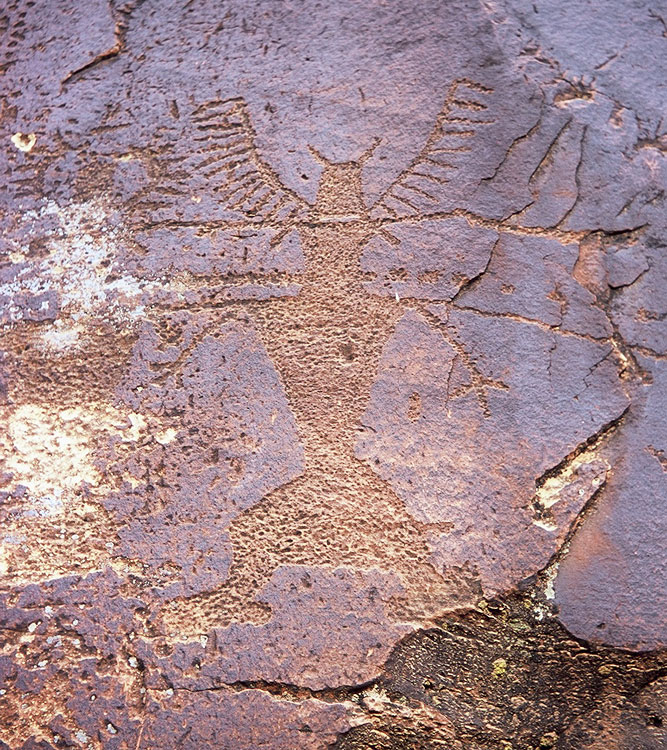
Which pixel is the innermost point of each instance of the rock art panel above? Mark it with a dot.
(322, 326)
(637, 275)
(532, 277)
(430, 259)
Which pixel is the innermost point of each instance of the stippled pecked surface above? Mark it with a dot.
(333, 375)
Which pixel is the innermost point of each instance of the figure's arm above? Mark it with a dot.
(210, 170)
(464, 112)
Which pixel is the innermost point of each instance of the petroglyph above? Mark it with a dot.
(359, 276)
(331, 358)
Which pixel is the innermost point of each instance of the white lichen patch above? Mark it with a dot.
(60, 336)
(53, 483)
(568, 490)
(82, 247)
(51, 452)
(375, 700)
(24, 141)
(543, 597)
(166, 437)
(4, 561)
(549, 577)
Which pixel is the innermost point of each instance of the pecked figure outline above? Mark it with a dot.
(337, 320)
(327, 287)
(162, 491)
(312, 384)
(250, 197)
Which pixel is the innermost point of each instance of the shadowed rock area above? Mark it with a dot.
(332, 375)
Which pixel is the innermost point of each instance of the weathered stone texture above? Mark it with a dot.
(332, 378)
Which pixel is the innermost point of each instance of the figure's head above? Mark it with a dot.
(339, 191)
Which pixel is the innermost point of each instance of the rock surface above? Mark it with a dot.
(333, 375)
